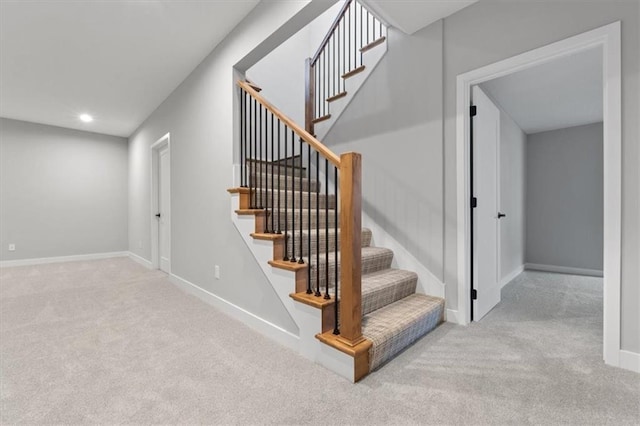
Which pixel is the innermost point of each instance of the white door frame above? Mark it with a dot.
(608, 37)
(160, 144)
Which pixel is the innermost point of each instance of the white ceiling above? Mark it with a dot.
(410, 16)
(565, 92)
(116, 60)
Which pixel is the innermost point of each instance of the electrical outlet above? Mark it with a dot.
(139, 244)
(217, 272)
(12, 247)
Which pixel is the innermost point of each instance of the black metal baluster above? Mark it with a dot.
(309, 291)
(273, 216)
(347, 39)
(354, 42)
(286, 196)
(263, 167)
(341, 65)
(336, 328)
(242, 126)
(268, 170)
(324, 84)
(252, 145)
(293, 199)
(361, 44)
(259, 159)
(326, 228)
(318, 294)
(265, 171)
(367, 27)
(279, 230)
(300, 259)
(334, 68)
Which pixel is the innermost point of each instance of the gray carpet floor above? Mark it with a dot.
(111, 342)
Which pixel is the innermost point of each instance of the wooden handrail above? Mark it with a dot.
(333, 27)
(302, 133)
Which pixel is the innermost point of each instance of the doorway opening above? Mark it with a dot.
(607, 39)
(161, 204)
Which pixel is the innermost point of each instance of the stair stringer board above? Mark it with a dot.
(308, 319)
(370, 60)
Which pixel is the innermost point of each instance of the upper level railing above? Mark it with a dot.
(275, 154)
(338, 57)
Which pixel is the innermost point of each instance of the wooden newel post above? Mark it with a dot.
(309, 96)
(350, 248)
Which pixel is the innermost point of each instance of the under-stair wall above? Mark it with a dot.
(395, 121)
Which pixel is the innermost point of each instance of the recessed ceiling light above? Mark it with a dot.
(86, 118)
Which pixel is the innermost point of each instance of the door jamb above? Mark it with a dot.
(609, 38)
(160, 144)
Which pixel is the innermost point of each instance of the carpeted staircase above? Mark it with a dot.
(394, 315)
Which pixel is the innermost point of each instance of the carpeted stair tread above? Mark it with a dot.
(281, 216)
(263, 180)
(387, 286)
(262, 167)
(265, 196)
(321, 236)
(373, 259)
(396, 326)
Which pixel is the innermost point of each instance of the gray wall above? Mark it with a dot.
(489, 31)
(513, 145)
(395, 121)
(564, 197)
(403, 121)
(62, 192)
(281, 73)
(410, 121)
(199, 114)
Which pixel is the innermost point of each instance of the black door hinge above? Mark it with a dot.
(473, 110)
(474, 202)
(474, 294)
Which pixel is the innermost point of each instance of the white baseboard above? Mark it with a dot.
(630, 361)
(451, 315)
(141, 260)
(506, 280)
(564, 269)
(58, 259)
(261, 325)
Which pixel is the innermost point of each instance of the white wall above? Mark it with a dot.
(62, 192)
(281, 73)
(565, 197)
(513, 144)
(395, 121)
(199, 114)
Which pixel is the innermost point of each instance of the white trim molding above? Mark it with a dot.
(59, 259)
(609, 39)
(506, 280)
(157, 146)
(451, 315)
(261, 325)
(141, 260)
(630, 361)
(564, 270)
